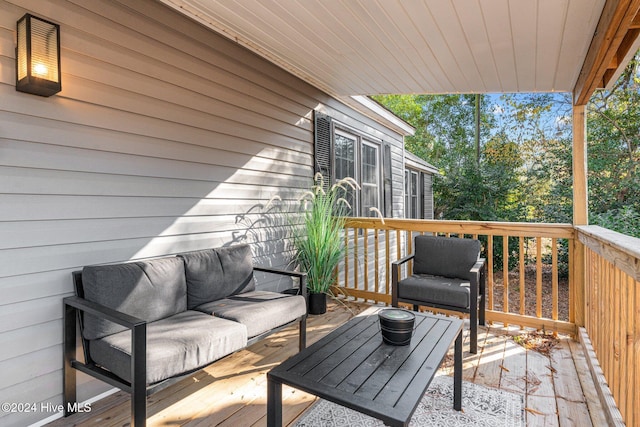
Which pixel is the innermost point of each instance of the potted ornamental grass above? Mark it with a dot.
(319, 240)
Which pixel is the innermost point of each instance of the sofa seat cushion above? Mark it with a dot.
(179, 344)
(435, 289)
(213, 274)
(259, 311)
(149, 290)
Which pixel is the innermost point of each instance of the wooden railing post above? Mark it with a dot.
(580, 209)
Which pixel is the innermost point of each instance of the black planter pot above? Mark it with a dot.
(317, 303)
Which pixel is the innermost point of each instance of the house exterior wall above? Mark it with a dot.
(421, 184)
(423, 181)
(165, 138)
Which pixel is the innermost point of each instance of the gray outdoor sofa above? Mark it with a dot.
(146, 324)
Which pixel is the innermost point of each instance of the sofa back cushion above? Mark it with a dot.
(150, 290)
(213, 274)
(442, 256)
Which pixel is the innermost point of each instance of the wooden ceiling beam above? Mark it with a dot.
(636, 22)
(614, 24)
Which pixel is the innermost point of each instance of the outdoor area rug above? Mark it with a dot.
(481, 406)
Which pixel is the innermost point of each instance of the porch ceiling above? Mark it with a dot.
(358, 47)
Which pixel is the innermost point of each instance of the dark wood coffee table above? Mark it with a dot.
(353, 367)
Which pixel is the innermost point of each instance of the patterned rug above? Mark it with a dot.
(481, 406)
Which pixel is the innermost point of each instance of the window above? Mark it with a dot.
(340, 152)
(411, 194)
(345, 163)
(359, 159)
(370, 179)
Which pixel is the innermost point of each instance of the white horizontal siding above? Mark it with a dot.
(165, 138)
(16, 207)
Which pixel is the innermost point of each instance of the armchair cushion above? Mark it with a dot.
(175, 345)
(259, 311)
(150, 290)
(448, 257)
(435, 290)
(213, 274)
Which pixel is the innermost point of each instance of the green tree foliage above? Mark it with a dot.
(613, 125)
(524, 172)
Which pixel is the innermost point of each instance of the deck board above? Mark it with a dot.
(514, 368)
(572, 406)
(232, 391)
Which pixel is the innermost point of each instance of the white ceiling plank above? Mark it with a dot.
(372, 40)
(431, 35)
(293, 40)
(406, 58)
(458, 42)
(524, 27)
(329, 50)
(475, 31)
(435, 79)
(496, 15)
(351, 59)
(552, 17)
(574, 46)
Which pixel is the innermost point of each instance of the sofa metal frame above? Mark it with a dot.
(74, 306)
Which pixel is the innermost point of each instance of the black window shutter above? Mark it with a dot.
(422, 212)
(323, 146)
(387, 182)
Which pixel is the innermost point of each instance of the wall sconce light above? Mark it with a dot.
(38, 56)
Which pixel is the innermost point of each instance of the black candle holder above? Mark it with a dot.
(396, 325)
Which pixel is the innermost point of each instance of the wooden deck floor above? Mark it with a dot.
(232, 392)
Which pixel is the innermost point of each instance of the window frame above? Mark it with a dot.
(414, 193)
(361, 140)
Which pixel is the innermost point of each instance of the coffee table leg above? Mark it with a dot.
(274, 403)
(457, 374)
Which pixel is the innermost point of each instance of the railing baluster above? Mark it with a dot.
(366, 258)
(608, 323)
(356, 260)
(554, 277)
(636, 338)
(376, 260)
(572, 287)
(539, 277)
(346, 258)
(505, 275)
(410, 249)
(621, 337)
(632, 390)
(387, 265)
(490, 272)
(521, 268)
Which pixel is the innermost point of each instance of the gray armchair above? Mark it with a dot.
(448, 273)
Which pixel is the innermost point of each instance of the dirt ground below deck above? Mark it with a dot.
(530, 299)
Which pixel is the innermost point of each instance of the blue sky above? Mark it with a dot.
(556, 122)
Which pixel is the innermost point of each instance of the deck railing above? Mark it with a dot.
(527, 262)
(532, 269)
(612, 312)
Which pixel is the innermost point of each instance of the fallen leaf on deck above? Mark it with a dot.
(537, 341)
